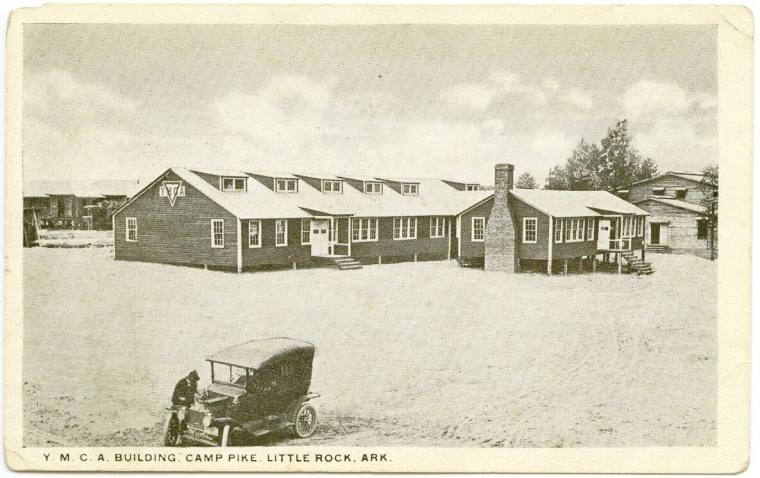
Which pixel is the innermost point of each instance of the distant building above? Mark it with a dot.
(242, 221)
(76, 204)
(678, 220)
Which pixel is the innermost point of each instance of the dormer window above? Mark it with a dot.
(233, 184)
(681, 193)
(472, 187)
(373, 187)
(332, 187)
(658, 191)
(286, 185)
(410, 189)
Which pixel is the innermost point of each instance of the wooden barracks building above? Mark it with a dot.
(241, 221)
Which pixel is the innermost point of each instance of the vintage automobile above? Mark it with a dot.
(257, 387)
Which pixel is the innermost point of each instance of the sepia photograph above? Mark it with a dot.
(370, 235)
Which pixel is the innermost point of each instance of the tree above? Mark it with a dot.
(612, 164)
(708, 188)
(526, 181)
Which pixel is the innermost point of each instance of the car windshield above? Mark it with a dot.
(229, 374)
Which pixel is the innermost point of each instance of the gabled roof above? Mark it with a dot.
(698, 208)
(695, 177)
(575, 203)
(86, 189)
(258, 353)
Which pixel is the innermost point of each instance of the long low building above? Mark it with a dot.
(236, 220)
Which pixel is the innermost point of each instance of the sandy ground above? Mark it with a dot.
(424, 354)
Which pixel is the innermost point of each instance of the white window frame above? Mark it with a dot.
(214, 245)
(364, 229)
(234, 181)
(582, 229)
(481, 228)
(639, 226)
(559, 230)
(285, 232)
(526, 221)
(437, 227)
(257, 222)
(373, 183)
(127, 229)
(590, 228)
(332, 183)
(406, 230)
(285, 189)
(306, 231)
(472, 187)
(410, 186)
(628, 228)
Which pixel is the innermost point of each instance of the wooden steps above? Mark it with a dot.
(637, 265)
(659, 248)
(347, 263)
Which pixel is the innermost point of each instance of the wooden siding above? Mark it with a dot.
(269, 254)
(682, 228)
(424, 246)
(176, 235)
(468, 248)
(638, 192)
(527, 250)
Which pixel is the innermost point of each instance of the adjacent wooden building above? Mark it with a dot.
(236, 220)
(678, 219)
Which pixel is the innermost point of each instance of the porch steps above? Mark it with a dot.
(347, 263)
(637, 265)
(660, 248)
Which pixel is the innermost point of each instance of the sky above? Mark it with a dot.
(129, 101)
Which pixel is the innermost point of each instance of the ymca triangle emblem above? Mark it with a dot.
(172, 190)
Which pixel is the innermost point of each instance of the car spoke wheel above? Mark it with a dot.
(305, 421)
(171, 430)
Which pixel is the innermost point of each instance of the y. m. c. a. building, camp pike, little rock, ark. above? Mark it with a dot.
(243, 221)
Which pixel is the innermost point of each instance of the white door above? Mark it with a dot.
(320, 240)
(603, 241)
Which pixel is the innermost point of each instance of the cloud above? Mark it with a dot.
(469, 96)
(672, 125)
(580, 99)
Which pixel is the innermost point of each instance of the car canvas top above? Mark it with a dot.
(258, 353)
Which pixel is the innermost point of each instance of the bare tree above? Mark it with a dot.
(526, 181)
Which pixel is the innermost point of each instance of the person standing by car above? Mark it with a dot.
(184, 391)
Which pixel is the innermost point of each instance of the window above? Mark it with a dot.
(437, 226)
(404, 228)
(627, 226)
(590, 226)
(640, 226)
(334, 187)
(286, 185)
(305, 231)
(217, 233)
(582, 230)
(530, 229)
(131, 229)
(254, 233)
(478, 229)
(681, 193)
(410, 189)
(573, 230)
(472, 187)
(558, 229)
(363, 230)
(280, 232)
(233, 184)
(658, 191)
(372, 187)
(701, 228)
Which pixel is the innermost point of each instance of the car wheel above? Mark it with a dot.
(305, 421)
(171, 430)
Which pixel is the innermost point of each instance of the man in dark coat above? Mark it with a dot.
(184, 391)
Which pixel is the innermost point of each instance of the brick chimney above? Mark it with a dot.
(500, 231)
